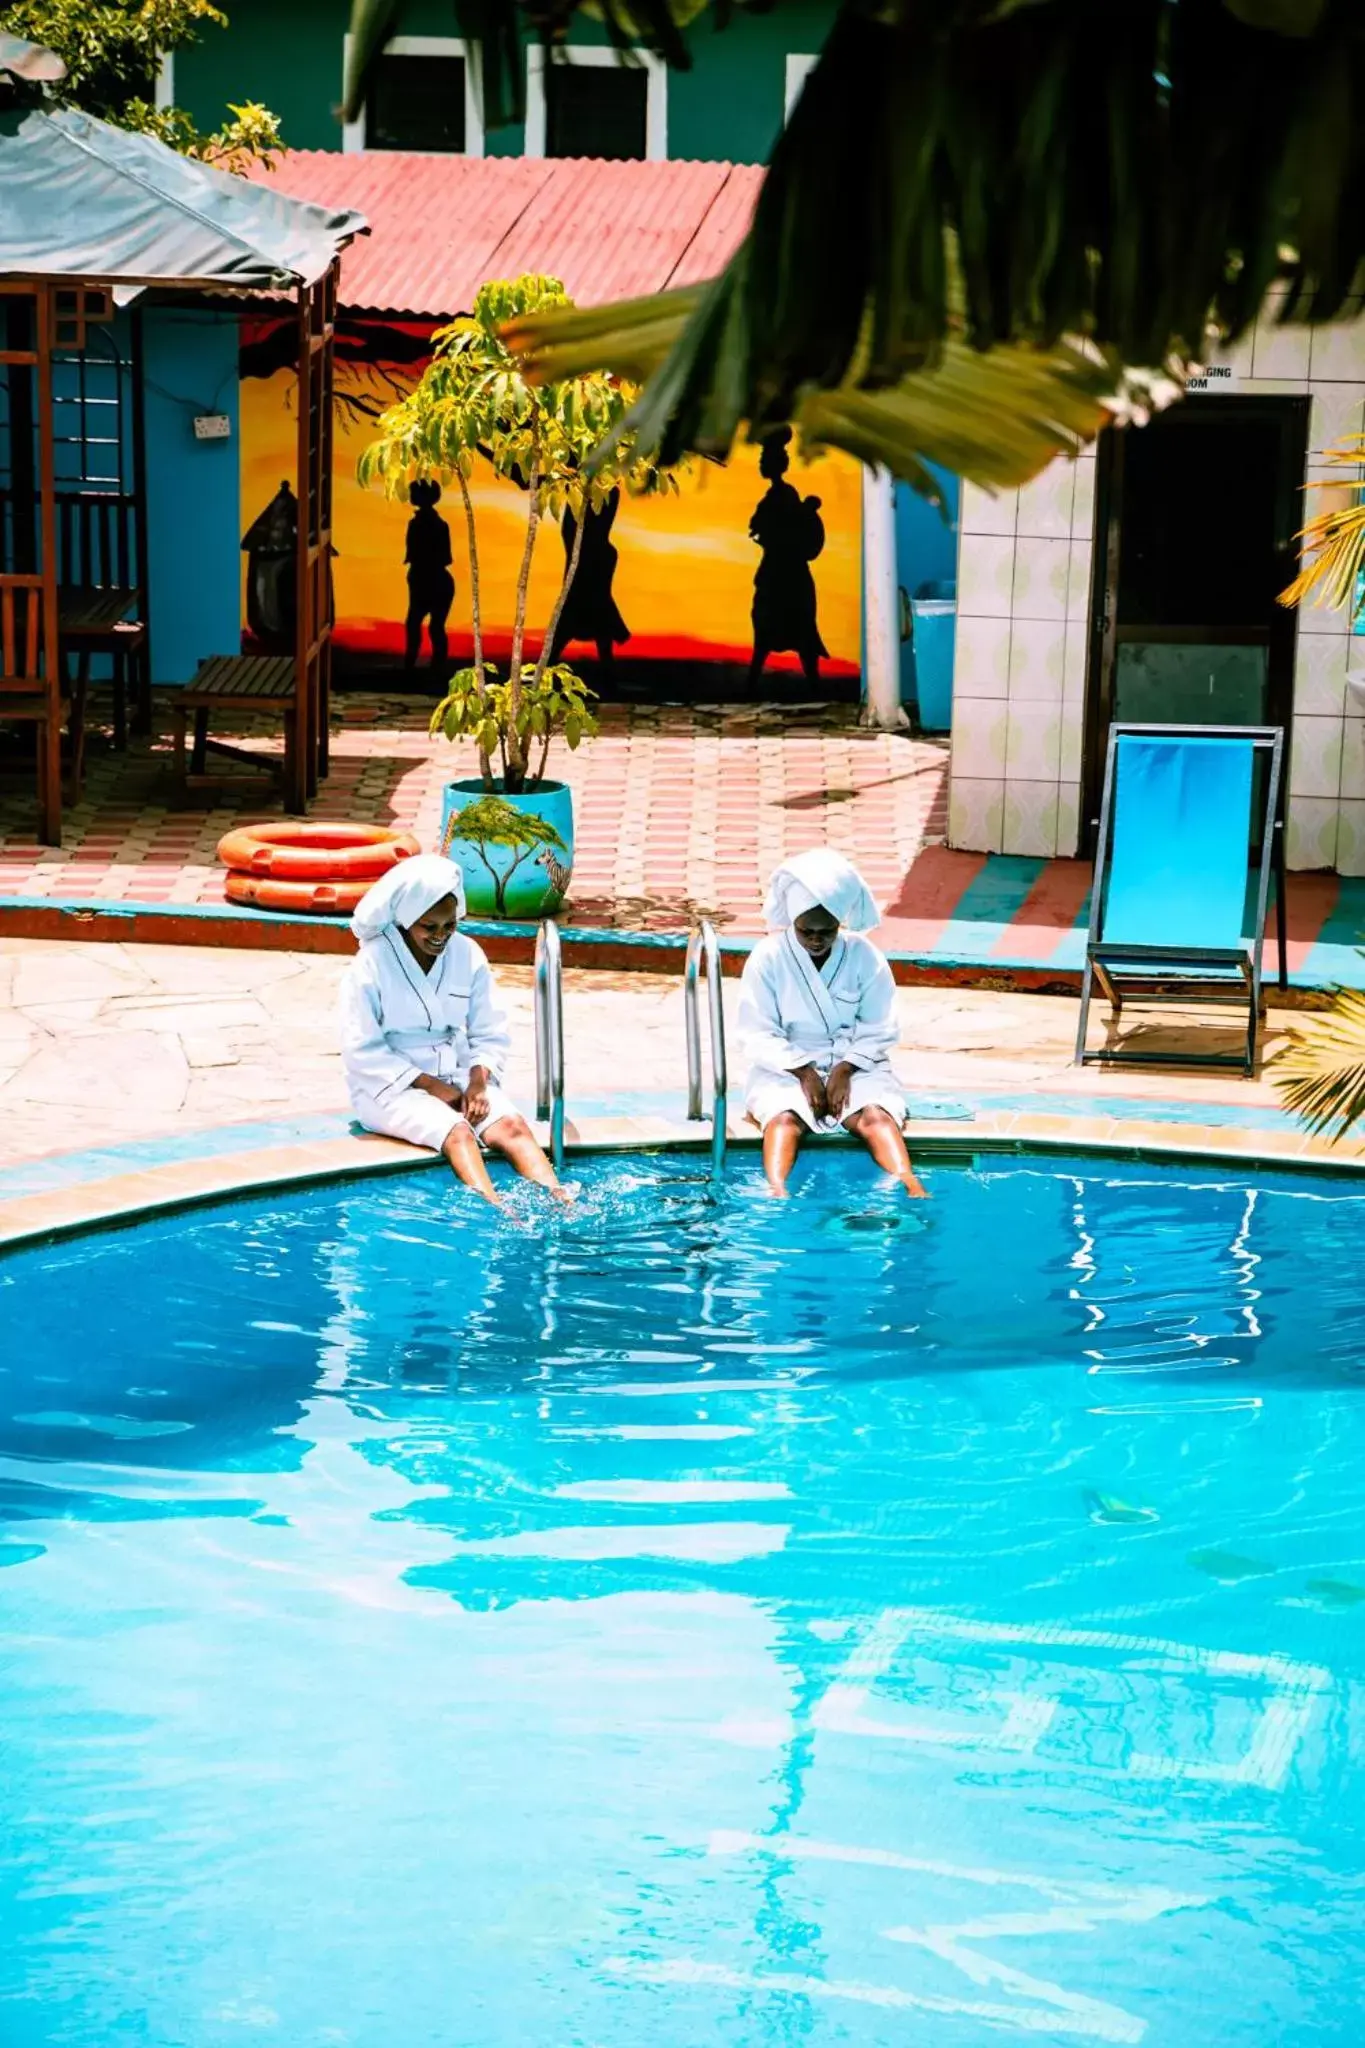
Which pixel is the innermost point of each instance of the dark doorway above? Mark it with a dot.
(1195, 522)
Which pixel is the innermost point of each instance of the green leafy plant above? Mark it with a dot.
(1320, 1072)
(113, 52)
(479, 708)
(490, 821)
(563, 442)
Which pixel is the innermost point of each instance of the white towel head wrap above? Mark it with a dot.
(822, 877)
(406, 893)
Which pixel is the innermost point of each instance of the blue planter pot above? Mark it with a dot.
(509, 881)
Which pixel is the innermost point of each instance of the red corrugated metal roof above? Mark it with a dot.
(440, 225)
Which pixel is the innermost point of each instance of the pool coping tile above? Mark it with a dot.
(215, 1175)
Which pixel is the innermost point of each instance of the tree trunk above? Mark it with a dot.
(570, 571)
(476, 614)
(516, 757)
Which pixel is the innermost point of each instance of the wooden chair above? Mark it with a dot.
(241, 682)
(99, 599)
(30, 697)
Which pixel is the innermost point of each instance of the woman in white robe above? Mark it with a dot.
(817, 1020)
(423, 1041)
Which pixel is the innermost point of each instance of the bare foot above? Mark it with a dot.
(778, 1192)
(566, 1195)
(914, 1189)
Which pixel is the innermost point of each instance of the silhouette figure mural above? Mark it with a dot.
(590, 610)
(270, 545)
(790, 534)
(681, 596)
(431, 586)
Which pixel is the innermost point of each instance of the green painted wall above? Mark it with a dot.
(287, 53)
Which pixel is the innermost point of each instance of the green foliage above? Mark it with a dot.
(564, 442)
(112, 54)
(1320, 1073)
(475, 402)
(552, 700)
(1007, 174)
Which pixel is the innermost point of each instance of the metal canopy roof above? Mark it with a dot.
(441, 225)
(80, 199)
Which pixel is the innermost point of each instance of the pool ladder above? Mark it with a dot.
(703, 950)
(549, 1006)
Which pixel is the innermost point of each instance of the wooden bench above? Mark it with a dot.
(240, 682)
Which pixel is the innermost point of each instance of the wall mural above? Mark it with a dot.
(754, 568)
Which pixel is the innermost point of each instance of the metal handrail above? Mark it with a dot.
(549, 1009)
(703, 950)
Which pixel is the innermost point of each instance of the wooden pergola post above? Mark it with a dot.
(316, 328)
(30, 663)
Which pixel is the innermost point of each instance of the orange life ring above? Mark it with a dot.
(326, 899)
(316, 851)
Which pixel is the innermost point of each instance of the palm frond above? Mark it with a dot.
(1332, 545)
(1320, 1073)
(996, 416)
(1126, 174)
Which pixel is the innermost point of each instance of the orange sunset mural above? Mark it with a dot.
(683, 579)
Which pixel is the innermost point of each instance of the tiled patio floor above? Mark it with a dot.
(679, 812)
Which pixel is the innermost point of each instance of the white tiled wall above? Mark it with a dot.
(1024, 569)
(1023, 592)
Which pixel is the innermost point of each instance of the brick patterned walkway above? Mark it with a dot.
(679, 812)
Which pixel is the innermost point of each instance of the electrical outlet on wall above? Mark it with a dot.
(212, 426)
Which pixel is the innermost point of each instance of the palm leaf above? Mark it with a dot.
(1125, 173)
(996, 417)
(1332, 546)
(1320, 1073)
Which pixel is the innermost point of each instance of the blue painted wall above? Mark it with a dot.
(194, 525)
(926, 552)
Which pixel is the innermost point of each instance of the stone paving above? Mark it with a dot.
(680, 813)
(106, 1043)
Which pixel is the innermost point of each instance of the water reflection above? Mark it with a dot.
(687, 1620)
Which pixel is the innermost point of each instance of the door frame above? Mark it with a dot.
(1288, 412)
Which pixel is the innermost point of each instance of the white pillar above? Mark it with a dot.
(881, 606)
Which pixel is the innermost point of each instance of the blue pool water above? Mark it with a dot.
(838, 1623)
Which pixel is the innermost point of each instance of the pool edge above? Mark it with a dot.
(126, 1198)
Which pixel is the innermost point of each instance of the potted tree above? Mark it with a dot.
(562, 444)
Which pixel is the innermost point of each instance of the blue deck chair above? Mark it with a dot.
(1172, 918)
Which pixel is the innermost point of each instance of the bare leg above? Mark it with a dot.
(882, 1136)
(782, 1137)
(461, 1148)
(513, 1137)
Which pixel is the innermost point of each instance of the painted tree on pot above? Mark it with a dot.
(561, 444)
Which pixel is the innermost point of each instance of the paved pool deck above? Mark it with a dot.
(680, 814)
(140, 1077)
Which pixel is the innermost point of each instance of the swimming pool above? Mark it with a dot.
(838, 1622)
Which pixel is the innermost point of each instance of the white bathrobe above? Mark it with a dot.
(795, 1014)
(397, 1023)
